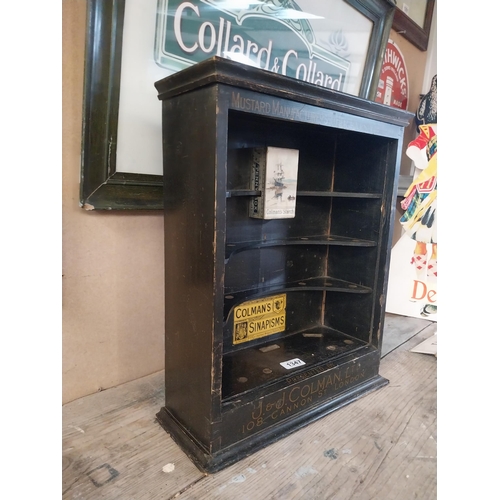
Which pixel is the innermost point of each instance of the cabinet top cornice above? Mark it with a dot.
(218, 70)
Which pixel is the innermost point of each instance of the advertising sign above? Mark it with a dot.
(393, 82)
(274, 36)
(258, 318)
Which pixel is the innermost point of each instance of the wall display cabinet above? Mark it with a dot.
(270, 324)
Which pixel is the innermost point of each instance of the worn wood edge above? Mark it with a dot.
(220, 70)
(218, 461)
(119, 195)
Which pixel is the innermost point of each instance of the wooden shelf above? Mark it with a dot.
(334, 194)
(233, 248)
(260, 366)
(326, 283)
(326, 194)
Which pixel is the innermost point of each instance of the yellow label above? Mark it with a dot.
(257, 318)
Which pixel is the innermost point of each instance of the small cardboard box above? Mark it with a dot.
(274, 173)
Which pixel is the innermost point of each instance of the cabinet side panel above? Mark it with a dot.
(189, 196)
(392, 157)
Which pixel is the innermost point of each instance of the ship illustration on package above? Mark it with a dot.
(274, 174)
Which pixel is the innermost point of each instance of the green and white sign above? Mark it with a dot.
(275, 35)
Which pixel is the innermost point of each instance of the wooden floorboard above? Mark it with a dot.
(399, 329)
(114, 448)
(381, 447)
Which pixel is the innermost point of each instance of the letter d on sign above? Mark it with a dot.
(416, 289)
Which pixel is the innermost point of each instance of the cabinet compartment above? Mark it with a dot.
(330, 159)
(316, 147)
(348, 220)
(262, 268)
(259, 366)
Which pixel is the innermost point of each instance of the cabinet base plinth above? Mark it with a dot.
(221, 458)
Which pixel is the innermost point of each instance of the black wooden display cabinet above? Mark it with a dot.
(225, 401)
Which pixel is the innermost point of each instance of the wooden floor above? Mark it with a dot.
(381, 447)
